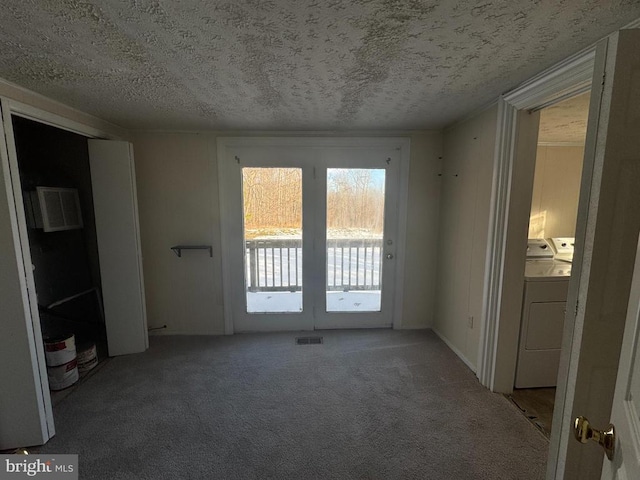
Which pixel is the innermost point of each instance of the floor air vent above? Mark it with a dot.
(308, 340)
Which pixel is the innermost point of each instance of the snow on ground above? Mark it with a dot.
(278, 302)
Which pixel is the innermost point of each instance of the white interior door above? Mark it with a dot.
(115, 204)
(625, 414)
(26, 415)
(310, 235)
(606, 244)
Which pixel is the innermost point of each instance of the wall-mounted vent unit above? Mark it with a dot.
(55, 209)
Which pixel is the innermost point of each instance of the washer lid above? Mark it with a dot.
(538, 248)
(544, 269)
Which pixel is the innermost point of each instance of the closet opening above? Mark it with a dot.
(55, 180)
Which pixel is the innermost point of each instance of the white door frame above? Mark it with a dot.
(227, 222)
(565, 79)
(8, 157)
(569, 78)
(500, 325)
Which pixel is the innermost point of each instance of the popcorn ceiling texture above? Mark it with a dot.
(565, 122)
(291, 64)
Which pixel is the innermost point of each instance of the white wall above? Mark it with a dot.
(178, 203)
(464, 218)
(556, 191)
(422, 231)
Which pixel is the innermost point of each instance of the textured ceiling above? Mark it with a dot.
(565, 122)
(291, 64)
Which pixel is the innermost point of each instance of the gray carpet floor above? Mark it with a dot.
(366, 404)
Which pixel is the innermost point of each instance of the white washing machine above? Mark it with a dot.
(545, 296)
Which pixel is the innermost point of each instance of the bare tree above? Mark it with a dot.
(273, 198)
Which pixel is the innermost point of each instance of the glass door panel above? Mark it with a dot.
(272, 201)
(354, 232)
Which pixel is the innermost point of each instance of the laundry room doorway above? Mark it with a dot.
(550, 245)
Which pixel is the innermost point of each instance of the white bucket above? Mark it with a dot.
(87, 358)
(63, 376)
(59, 350)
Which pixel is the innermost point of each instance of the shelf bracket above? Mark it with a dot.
(178, 249)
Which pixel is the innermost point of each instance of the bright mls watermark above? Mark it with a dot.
(51, 467)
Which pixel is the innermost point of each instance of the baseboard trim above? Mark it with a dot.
(455, 350)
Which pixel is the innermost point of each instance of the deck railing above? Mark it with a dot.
(276, 265)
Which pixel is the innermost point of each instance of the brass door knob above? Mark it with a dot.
(584, 432)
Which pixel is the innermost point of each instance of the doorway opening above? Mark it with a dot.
(55, 178)
(311, 229)
(551, 237)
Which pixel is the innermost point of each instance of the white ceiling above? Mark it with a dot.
(565, 122)
(291, 64)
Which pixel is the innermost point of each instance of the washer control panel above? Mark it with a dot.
(539, 248)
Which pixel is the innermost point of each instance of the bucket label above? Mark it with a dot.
(53, 467)
(54, 347)
(71, 365)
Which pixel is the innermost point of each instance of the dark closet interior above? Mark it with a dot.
(65, 263)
